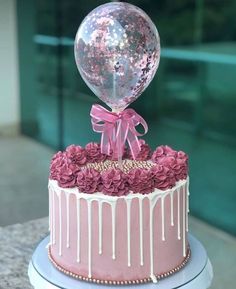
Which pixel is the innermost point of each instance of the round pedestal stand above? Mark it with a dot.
(197, 274)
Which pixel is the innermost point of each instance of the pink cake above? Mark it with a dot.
(115, 225)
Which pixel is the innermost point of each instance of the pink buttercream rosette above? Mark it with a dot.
(144, 154)
(93, 153)
(89, 180)
(70, 169)
(141, 181)
(177, 162)
(114, 182)
(76, 154)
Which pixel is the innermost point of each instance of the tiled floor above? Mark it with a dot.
(24, 166)
(221, 249)
(23, 196)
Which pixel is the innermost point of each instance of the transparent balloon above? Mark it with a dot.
(117, 52)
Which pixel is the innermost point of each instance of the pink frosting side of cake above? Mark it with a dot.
(167, 254)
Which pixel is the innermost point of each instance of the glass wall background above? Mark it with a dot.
(190, 104)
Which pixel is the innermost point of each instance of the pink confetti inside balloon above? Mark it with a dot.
(117, 52)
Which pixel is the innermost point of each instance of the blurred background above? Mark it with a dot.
(189, 105)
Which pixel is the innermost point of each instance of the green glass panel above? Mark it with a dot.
(190, 104)
(38, 72)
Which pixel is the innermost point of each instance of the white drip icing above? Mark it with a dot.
(53, 219)
(151, 240)
(50, 209)
(67, 220)
(141, 229)
(128, 205)
(184, 226)
(178, 212)
(186, 211)
(89, 239)
(50, 216)
(60, 225)
(163, 218)
(154, 278)
(171, 209)
(152, 203)
(187, 196)
(113, 218)
(100, 227)
(112, 201)
(78, 228)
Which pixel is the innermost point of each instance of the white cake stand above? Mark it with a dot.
(197, 274)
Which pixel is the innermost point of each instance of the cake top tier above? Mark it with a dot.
(91, 171)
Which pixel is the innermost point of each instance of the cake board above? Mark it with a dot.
(197, 274)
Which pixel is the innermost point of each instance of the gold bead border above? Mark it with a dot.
(125, 282)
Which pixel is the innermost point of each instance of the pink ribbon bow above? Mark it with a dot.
(117, 128)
